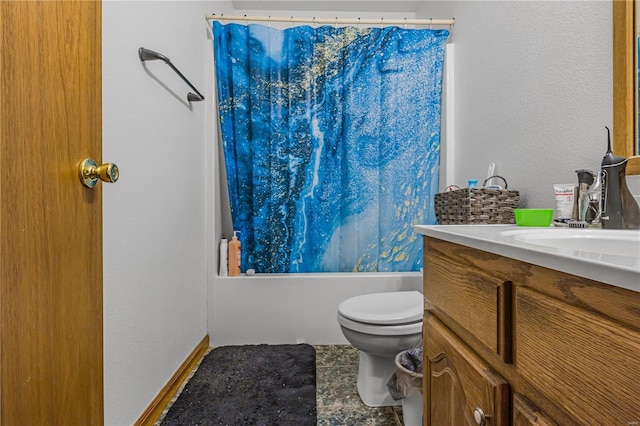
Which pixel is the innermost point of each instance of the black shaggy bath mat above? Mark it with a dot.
(250, 385)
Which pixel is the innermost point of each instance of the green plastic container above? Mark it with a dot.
(533, 217)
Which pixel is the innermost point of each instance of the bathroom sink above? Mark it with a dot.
(600, 242)
(606, 255)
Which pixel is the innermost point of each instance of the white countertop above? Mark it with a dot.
(620, 268)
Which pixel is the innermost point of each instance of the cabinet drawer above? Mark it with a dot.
(585, 362)
(476, 301)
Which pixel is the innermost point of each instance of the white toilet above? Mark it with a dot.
(380, 325)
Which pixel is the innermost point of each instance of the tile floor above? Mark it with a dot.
(337, 400)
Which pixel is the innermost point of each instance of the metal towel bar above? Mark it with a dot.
(150, 55)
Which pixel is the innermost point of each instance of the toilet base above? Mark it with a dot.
(373, 374)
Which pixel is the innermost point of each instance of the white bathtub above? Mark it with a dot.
(291, 308)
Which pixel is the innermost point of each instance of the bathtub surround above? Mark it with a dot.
(291, 308)
(250, 385)
(331, 138)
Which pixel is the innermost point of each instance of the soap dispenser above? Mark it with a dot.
(619, 208)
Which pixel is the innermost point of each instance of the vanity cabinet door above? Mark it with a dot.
(460, 388)
(587, 363)
(527, 414)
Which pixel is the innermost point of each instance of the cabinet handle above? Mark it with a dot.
(479, 416)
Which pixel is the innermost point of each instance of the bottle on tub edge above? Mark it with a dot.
(223, 262)
(235, 255)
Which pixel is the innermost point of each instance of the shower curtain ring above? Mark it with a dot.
(430, 23)
(358, 24)
(245, 20)
(405, 23)
(381, 22)
(336, 24)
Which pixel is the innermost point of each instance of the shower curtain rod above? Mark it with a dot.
(334, 21)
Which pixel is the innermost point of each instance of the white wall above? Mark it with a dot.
(533, 90)
(155, 221)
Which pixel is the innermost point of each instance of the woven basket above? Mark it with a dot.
(472, 206)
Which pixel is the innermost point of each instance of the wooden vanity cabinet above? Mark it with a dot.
(525, 345)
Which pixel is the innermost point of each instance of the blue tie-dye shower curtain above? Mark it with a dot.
(331, 140)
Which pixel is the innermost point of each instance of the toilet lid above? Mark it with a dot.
(399, 307)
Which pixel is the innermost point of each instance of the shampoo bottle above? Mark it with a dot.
(234, 255)
(224, 250)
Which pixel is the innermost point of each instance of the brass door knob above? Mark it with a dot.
(90, 172)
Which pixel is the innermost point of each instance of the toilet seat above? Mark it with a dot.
(385, 314)
(401, 307)
(381, 330)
